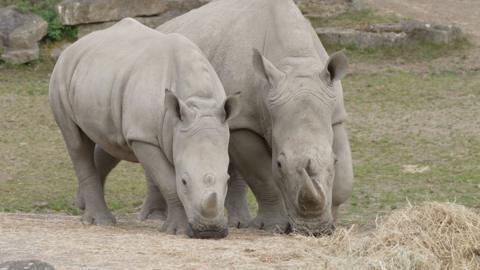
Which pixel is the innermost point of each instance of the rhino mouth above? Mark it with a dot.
(206, 232)
(310, 227)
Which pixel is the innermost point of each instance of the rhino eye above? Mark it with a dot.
(281, 161)
(184, 179)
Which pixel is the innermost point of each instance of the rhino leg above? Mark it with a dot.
(343, 182)
(154, 205)
(252, 158)
(236, 201)
(162, 173)
(81, 151)
(104, 163)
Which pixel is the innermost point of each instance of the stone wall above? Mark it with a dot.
(326, 8)
(92, 15)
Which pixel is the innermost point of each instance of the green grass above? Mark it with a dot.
(402, 118)
(356, 19)
(409, 53)
(397, 118)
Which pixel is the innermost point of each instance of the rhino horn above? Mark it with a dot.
(209, 205)
(310, 196)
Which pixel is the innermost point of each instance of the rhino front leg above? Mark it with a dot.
(236, 200)
(154, 205)
(343, 182)
(252, 158)
(161, 171)
(104, 163)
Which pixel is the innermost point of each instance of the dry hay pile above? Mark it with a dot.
(429, 236)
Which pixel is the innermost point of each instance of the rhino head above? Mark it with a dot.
(299, 103)
(200, 156)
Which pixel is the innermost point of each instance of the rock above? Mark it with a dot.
(421, 31)
(345, 37)
(152, 22)
(21, 56)
(19, 34)
(155, 21)
(435, 33)
(74, 12)
(56, 52)
(26, 265)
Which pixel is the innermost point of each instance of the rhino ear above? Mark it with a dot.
(177, 107)
(337, 66)
(266, 69)
(232, 106)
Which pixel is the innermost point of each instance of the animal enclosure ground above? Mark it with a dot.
(414, 125)
(429, 236)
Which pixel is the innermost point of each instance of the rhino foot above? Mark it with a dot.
(98, 218)
(155, 214)
(176, 223)
(274, 224)
(238, 213)
(239, 220)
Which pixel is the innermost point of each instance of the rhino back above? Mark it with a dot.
(228, 30)
(111, 83)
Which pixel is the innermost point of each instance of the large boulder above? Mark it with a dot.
(151, 21)
(19, 35)
(74, 12)
(388, 34)
(422, 31)
(26, 265)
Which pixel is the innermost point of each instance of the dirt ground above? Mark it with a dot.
(65, 243)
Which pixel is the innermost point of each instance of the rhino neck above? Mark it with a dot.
(265, 119)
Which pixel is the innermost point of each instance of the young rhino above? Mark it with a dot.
(108, 96)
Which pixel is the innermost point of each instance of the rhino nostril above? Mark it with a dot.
(281, 160)
(310, 168)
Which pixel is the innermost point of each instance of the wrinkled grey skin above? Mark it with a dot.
(108, 96)
(290, 141)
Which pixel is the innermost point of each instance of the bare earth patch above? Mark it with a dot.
(429, 236)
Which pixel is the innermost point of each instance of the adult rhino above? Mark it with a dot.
(108, 96)
(289, 142)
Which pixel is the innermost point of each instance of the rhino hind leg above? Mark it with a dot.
(236, 200)
(90, 190)
(252, 158)
(343, 182)
(104, 163)
(154, 205)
